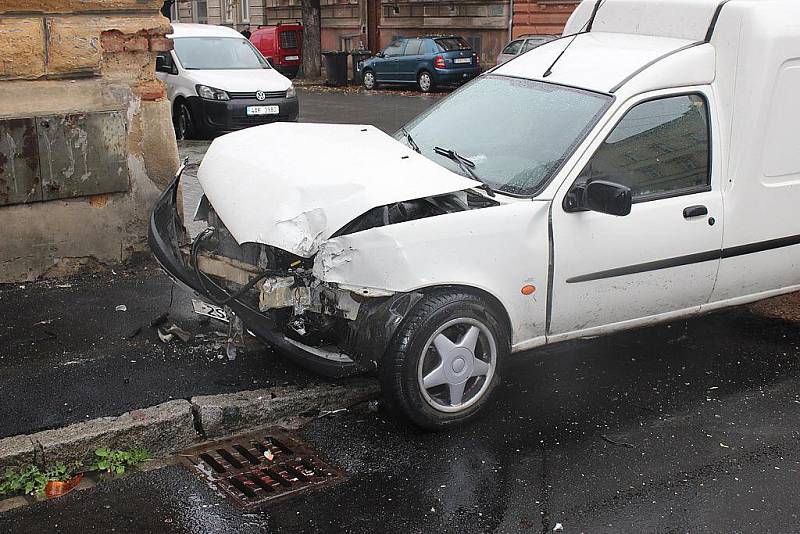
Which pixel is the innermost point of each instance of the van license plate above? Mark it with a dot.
(292, 58)
(462, 60)
(263, 110)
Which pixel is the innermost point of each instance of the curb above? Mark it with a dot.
(166, 428)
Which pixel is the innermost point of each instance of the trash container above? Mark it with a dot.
(336, 68)
(359, 56)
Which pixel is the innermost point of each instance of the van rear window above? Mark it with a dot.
(448, 44)
(288, 39)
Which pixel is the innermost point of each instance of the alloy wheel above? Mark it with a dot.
(457, 365)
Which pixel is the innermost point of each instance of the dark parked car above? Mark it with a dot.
(423, 61)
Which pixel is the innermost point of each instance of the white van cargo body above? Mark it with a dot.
(643, 167)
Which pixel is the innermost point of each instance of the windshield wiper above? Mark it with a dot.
(410, 140)
(466, 165)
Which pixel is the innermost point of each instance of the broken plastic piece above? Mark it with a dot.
(268, 455)
(558, 528)
(179, 332)
(121, 307)
(164, 337)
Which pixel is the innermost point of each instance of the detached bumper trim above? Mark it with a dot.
(165, 235)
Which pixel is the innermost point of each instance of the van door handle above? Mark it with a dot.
(694, 211)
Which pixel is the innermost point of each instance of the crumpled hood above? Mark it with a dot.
(293, 185)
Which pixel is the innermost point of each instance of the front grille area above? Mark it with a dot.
(252, 95)
(255, 468)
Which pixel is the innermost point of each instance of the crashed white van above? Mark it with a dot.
(644, 167)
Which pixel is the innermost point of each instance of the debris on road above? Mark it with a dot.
(121, 308)
(558, 528)
(618, 443)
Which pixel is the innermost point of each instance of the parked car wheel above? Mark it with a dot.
(369, 80)
(183, 121)
(425, 81)
(440, 369)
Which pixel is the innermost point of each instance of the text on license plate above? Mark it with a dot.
(263, 110)
(462, 60)
(292, 58)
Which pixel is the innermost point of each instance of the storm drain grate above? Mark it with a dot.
(252, 469)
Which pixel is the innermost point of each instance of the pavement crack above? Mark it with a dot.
(197, 421)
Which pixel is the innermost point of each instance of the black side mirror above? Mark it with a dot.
(608, 197)
(601, 196)
(164, 65)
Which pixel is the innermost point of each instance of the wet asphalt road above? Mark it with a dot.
(687, 427)
(691, 426)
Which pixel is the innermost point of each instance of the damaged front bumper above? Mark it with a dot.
(363, 334)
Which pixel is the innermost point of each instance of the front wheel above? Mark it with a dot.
(184, 122)
(440, 369)
(369, 80)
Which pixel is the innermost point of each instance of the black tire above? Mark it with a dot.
(368, 79)
(425, 81)
(183, 121)
(400, 365)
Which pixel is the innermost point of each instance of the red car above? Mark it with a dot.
(282, 45)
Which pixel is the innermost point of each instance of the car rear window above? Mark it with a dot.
(449, 44)
(288, 39)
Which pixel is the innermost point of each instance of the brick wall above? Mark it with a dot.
(541, 17)
(89, 66)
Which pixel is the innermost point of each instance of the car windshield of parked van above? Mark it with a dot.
(516, 132)
(449, 44)
(218, 53)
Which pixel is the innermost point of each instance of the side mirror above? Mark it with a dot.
(608, 197)
(601, 196)
(162, 65)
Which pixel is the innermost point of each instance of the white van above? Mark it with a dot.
(643, 167)
(217, 81)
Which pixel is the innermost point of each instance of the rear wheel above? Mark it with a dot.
(369, 80)
(440, 369)
(425, 81)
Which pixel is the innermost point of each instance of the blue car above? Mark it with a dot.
(423, 61)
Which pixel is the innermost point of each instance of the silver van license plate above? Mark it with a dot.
(263, 110)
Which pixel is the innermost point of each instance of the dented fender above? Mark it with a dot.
(496, 251)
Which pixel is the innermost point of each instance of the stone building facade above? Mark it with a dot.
(373, 24)
(86, 139)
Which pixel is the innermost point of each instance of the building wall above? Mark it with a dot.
(77, 83)
(541, 17)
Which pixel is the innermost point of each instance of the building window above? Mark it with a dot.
(226, 6)
(174, 16)
(244, 10)
(201, 11)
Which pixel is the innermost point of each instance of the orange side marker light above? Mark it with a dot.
(528, 289)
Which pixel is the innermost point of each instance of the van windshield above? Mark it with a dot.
(517, 132)
(218, 53)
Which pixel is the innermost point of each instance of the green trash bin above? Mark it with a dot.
(359, 57)
(336, 68)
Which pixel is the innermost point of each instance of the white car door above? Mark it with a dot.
(616, 271)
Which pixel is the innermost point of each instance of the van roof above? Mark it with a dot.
(181, 29)
(627, 37)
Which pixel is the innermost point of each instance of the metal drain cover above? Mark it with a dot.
(252, 469)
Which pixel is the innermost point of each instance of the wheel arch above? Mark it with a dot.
(498, 307)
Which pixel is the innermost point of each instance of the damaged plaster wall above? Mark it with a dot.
(61, 57)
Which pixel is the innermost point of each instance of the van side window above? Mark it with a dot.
(660, 148)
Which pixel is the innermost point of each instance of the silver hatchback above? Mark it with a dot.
(521, 45)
